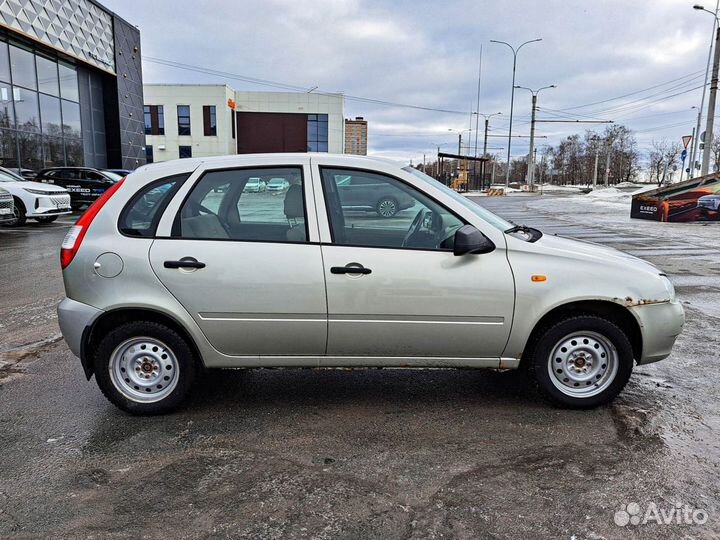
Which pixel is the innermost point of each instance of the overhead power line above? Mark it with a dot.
(292, 87)
(693, 74)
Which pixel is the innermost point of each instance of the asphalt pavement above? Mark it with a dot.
(364, 454)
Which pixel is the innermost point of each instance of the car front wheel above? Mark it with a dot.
(145, 368)
(19, 217)
(581, 361)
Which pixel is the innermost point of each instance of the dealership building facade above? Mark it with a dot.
(70, 86)
(183, 120)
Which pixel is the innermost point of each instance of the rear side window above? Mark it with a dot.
(234, 204)
(141, 215)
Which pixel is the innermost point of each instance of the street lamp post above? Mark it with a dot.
(512, 97)
(529, 179)
(713, 94)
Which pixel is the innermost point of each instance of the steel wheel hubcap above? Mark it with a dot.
(387, 208)
(583, 364)
(144, 369)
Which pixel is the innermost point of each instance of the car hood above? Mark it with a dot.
(580, 249)
(36, 186)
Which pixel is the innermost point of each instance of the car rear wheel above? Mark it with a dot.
(581, 361)
(19, 217)
(145, 368)
(387, 207)
(46, 219)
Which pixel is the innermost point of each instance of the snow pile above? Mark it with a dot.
(552, 188)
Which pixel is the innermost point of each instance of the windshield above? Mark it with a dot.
(486, 215)
(9, 177)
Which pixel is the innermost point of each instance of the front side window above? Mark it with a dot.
(374, 210)
(184, 152)
(141, 215)
(209, 120)
(183, 117)
(234, 205)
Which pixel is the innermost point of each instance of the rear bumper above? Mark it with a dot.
(660, 325)
(74, 318)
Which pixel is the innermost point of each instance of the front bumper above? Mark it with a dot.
(50, 205)
(660, 325)
(73, 318)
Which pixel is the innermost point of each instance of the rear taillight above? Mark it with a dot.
(74, 237)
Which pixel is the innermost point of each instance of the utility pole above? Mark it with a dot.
(595, 170)
(512, 98)
(711, 106)
(607, 162)
(529, 179)
(713, 90)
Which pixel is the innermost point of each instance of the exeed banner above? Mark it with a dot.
(697, 199)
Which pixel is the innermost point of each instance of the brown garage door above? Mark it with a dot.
(271, 132)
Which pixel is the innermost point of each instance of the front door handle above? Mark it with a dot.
(185, 262)
(350, 268)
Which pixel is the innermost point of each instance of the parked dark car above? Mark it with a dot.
(85, 184)
(364, 192)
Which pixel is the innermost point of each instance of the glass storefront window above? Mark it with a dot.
(30, 151)
(68, 83)
(22, 64)
(4, 62)
(47, 73)
(50, 116)
(7, 112)
(37, 128)
(71, 119)
(26, 109)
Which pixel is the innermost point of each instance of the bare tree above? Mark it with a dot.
(663, 156)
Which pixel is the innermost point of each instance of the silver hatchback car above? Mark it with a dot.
(177, 268)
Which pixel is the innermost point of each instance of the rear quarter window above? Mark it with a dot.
(141, 215)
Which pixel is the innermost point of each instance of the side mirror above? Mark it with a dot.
(469, 240)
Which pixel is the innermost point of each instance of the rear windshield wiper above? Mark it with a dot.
(534, 234)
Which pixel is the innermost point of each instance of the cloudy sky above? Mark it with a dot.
(427, 53)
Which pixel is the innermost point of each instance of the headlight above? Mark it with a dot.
(36, 191)
(668, 287)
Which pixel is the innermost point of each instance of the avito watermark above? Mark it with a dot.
(677, 514)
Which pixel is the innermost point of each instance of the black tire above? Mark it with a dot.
(20, 217)
(46, 219)
(387, 207)
(187, 367)
(540, 358)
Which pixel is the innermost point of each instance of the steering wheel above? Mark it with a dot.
(414, 227)
(433, 223)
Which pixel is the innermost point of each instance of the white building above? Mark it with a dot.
(197, 120)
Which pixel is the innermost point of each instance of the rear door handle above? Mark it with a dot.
(350, 268)
(185, 262)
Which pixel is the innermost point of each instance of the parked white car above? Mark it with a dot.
(164, 276)
(33, 200)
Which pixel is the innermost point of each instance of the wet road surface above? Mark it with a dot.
(365, 453)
